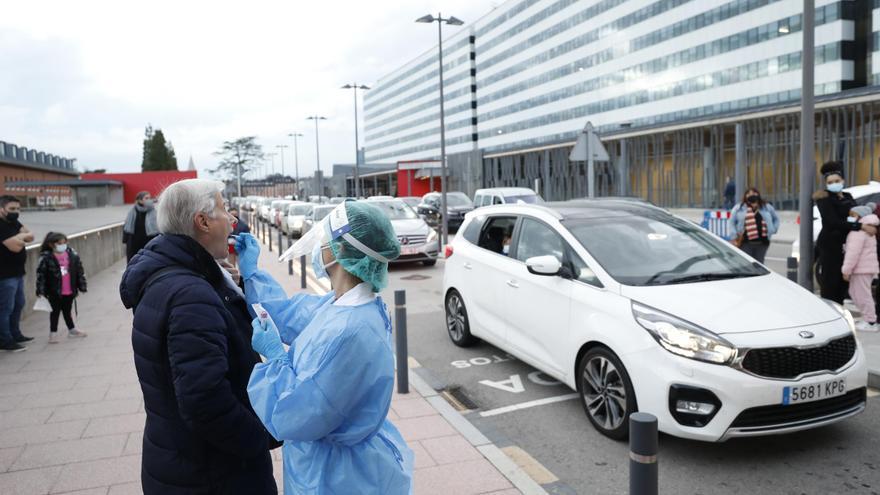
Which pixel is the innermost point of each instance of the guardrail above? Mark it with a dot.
(717, 222)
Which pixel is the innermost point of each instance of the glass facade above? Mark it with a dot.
(404, 117)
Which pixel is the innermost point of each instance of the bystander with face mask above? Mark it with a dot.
(754, 222)
(140, 225)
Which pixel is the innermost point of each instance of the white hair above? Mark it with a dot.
(181, 201)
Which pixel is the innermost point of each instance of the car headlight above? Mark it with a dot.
(845, 313)
(432, 236)
(685, 339)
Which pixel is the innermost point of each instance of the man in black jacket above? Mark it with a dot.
(191, 337)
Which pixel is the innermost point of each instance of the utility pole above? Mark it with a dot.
(296, 135)
(316, 118)
(808, 157)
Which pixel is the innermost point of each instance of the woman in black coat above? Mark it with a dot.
(60, 278)
(834, 206)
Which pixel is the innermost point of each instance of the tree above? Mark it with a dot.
(158, 154)
(237, 158)
(95, 171)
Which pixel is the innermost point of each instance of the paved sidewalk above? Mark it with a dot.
(72, 417)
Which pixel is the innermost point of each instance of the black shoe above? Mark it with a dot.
(23, 339)
(13, 347)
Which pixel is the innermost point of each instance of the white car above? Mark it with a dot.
(296, 216)
(505, 195)
(638, 309)
(864, 194)
(418, 241)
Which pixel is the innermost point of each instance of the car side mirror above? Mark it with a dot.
(544, 265)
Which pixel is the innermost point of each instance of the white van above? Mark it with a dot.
(506, 195)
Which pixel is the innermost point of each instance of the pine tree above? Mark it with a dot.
(158, 154)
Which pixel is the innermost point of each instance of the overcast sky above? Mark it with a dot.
(82, 79)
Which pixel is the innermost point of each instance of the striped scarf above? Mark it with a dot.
(753, 230)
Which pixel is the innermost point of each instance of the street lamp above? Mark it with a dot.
(281, 148)
(295, 135)
(272, 156)
(316, 118)
(452, 21)
(357, 152)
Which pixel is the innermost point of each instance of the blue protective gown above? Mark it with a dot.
(328, 401)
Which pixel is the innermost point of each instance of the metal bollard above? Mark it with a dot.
(400, 341)
(302, 271)
(792, 268)
(279, 240)
(289, 262)
(269, 229)
(643, 446)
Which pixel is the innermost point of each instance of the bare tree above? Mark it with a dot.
(237, 158)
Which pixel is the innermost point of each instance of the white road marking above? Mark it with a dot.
(527, 405)
(773, 258)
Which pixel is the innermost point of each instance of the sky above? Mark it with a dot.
(83, 79)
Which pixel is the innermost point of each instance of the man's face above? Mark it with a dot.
(11, 207)
(144, 200)
(214, 229)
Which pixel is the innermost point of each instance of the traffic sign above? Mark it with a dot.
(588, 140)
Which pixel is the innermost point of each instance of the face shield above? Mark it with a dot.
(332, 227)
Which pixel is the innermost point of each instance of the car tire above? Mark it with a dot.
(429, 262)
(457, 323)
(605, 390)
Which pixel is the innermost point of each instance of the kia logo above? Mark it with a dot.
(805, 334)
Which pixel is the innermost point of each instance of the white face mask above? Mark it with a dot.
(852, 219)
(505, 249)
(60, 248)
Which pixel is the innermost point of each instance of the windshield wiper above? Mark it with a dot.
(684, 265)
(706, 277)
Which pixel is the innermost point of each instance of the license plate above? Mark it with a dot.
(797, 394)
(406, 251)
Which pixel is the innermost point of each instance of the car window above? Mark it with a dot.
(496, 200)
(537, 239)
(580, 271)
(472, 231)
(870, 198)
(478, 200)
(497, 232)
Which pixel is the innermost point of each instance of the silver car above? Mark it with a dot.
(418, 242)
(315, 214)
(296, 217)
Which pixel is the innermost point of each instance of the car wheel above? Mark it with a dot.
(606, 392)
(429, 262)
(457, 323)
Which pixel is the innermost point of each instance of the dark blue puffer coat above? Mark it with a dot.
(191, 337)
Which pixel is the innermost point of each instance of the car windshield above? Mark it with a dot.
(526, 198)
(321, 212)
(453, 199)
(300, 209)
(395, 210)
(658, 249)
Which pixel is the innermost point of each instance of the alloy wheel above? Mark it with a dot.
(604, 393)
(455, 319)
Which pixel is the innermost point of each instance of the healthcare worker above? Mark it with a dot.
(328, 396)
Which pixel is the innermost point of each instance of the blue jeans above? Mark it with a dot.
(11, 304)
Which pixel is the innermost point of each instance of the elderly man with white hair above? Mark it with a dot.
(192, 348)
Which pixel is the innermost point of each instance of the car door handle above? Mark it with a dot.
(468, 266)
(512, 283)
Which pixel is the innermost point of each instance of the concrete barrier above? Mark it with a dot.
(98, 249)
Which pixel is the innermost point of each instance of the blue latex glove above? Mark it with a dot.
(248, 250)
(267, 341)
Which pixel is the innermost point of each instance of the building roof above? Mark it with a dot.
(63, 183)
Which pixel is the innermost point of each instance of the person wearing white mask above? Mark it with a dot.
(834, 206)
(60, 278)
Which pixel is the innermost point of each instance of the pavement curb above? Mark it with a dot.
(504, 464)
(874, 378)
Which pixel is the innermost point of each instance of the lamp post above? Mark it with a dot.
(357, 153)
(295, 135)
(808, 157)
(281, 149)
(272, 157)
(316, 118)
(452, 21)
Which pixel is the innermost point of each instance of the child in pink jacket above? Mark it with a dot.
(860, 266)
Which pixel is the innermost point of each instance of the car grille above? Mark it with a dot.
(763, 416)
(791, 362)
(411, 240)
